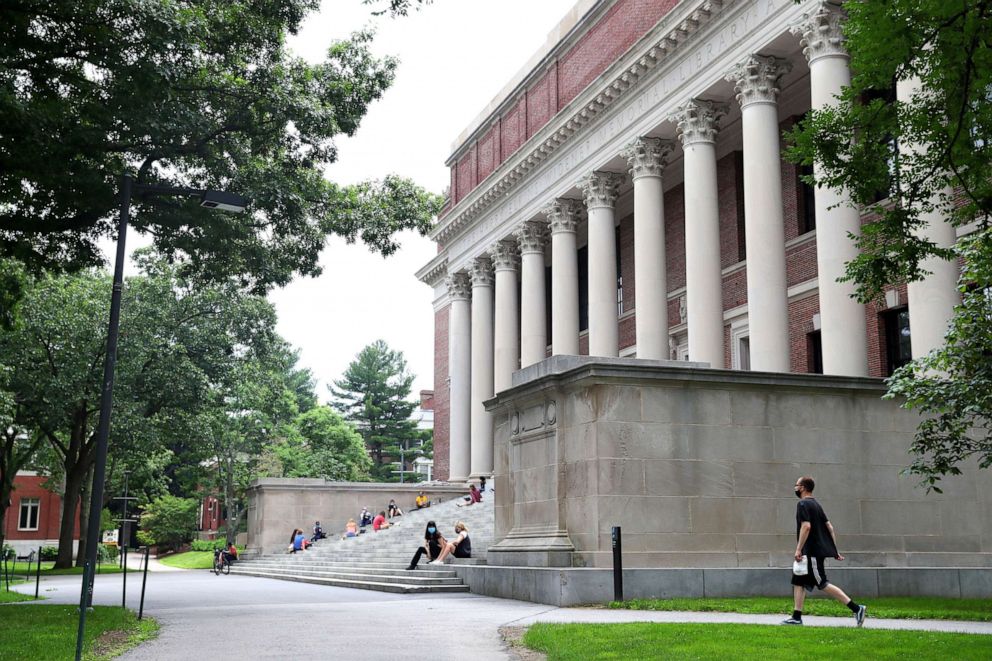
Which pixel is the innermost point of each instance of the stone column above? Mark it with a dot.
(697, 123)
(482, 366)
(600, 190)
(459, 376)
(506, 260)
(533, 314)
(647, 158)
(843, 333)
(756, 82)
(563, 219)
(931, 300)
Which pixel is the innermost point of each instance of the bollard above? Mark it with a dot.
(37, 574)
(617, 565)
(144, 579)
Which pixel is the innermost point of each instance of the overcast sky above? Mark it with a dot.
(455, 56)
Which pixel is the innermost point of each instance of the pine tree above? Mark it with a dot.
(373, 394)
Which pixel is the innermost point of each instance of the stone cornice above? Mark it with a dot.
(434, 271)
(699, 121)
(756, 79)
(647, 157)
(660, 44)
(820, 32)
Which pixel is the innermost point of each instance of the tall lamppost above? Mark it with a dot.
(211, 199)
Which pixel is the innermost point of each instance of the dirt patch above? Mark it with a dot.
(109, 641)
(513, 639)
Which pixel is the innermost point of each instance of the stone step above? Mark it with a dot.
(423, 570)
(415, 577)
(360, 584)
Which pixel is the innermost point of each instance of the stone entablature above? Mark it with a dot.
(676, 60)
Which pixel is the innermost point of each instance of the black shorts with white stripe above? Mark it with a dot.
(816, 576)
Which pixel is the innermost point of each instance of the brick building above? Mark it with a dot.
(34, 515)
(625, 195)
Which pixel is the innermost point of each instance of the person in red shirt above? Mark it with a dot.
(379, 522)
(474, 496)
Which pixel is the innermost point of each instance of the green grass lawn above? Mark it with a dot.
(47, 569)
(190, 560)
(565, 642)
(911, 608)
(42, 631)
(8, 597)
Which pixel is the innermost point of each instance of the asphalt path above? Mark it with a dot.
(246, 617)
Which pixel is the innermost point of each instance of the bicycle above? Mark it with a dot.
(221, 563)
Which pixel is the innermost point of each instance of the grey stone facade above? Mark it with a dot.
(697, 466)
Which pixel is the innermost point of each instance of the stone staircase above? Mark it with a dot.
(378, 560)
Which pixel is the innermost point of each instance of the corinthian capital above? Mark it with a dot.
(506, 256)
(601, 189)
(698, 120)
(531, 236)
(756, 79)
(459, 287)
(564, 215)
(820, 32)
(647, 157)
(482, 272)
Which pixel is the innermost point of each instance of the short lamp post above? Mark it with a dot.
(208, 198)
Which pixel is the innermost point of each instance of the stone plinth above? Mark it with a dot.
(278, 505)
(697, 466)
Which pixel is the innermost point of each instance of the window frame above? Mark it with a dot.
(27, 505)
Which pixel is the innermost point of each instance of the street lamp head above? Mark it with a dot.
(215, 199)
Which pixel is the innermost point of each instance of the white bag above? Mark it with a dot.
(800, 567)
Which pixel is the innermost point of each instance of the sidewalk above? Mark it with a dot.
(136, 560)
(602, 615)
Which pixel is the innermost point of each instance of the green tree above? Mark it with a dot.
(169, 521)
(326, 446)
(373, 394)
(945, 45)
(198, 93)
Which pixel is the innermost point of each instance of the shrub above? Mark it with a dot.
(49, 552)
(106, 554)
(168, 521)
(208, 544)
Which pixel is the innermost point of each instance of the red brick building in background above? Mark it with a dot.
(619, 72)
(34, 515)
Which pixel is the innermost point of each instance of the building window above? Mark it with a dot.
(814, 353)
(888, 96)
(898, 344)
(807, 200)
(740, 346)
(583, 259)
(616, 244)
(30, 507)
(739, 184)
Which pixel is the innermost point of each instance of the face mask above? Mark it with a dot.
(799, 494)
(432, 530)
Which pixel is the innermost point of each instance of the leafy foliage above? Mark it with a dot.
(373, 394)
(326, 446)
(169, 521)
(941, 50)
(197, 93)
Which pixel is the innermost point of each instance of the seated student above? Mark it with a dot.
(393, 509)
(318, 532)
(422, 501)
(231, 553)
(482, 485)
(350, 529)
(379, 522)
(433, 545)
(473, 497)
(461, 547)
(365, 518)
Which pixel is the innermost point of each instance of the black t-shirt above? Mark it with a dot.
(819, 543)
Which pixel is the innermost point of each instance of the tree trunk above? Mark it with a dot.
(70, 499)
(85, 496)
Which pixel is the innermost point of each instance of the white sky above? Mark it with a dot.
(455, 56)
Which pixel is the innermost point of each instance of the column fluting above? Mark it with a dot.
(459, 376)
(533, 301)
(482, 367)
(563, 220)
(506, 261)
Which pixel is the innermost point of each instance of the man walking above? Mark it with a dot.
(817, 542)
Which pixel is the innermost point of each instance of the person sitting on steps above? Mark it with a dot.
(434, 543)
(422, 501)
(393, 509)
(379, 522)
(318, 532)
(474, 496)
(365, 519)
(350, 529)
(460, 548)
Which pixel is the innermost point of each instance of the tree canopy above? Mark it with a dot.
(193, 93)
(931, 152)
(373, 394)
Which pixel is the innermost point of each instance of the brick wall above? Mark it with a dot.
(49, 514)
(800, 324)
(442, 401)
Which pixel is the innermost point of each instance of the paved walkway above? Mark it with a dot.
(203, 615)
